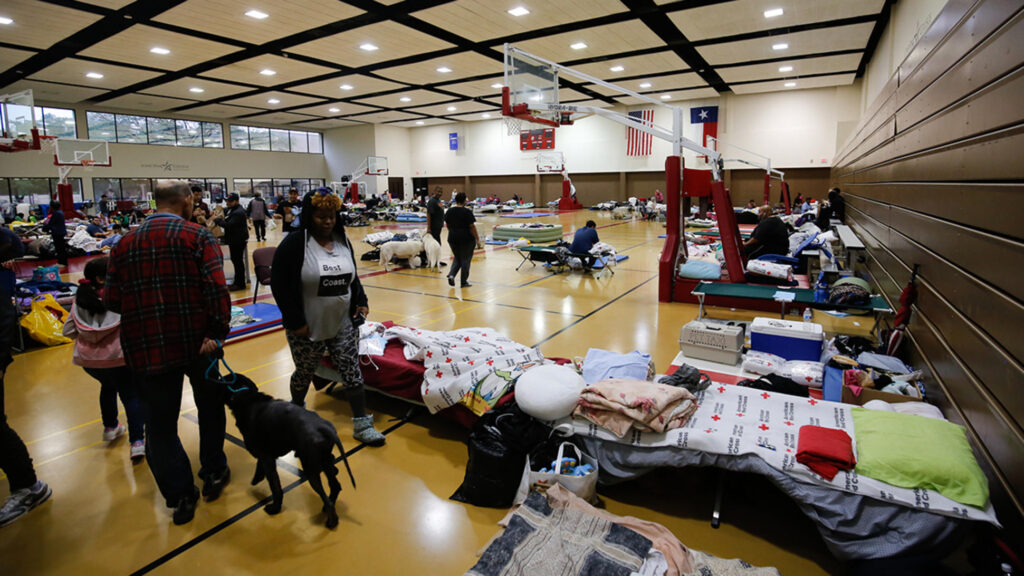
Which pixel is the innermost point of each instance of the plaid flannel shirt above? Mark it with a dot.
(166, 278)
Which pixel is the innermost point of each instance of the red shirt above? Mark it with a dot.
(166, 278)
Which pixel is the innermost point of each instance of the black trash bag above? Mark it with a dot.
(371, 255)
(852, 346)
(688, 377)
(498, 445)
(776, 383)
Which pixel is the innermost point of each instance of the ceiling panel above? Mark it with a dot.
(360, 85)
(593, 103)
(676, 96)
(423, 122)
(324, 109)
(854, 37)
(844, 63)
(476, 117)
(476, 87)
(460, 107)
(666, 61)
(41, 25)
(601, 41)
(261, 100)
(227, 17)
(133, 45)
(220, 111)
(480, 20)
(415, 97)
(327, 124)
(10, 57)
(744, 16)
(73, 71)
(60, 93)
(387, 116)
(277, 118)
(111, 4)
(393, 41)
(672, 81)
(801, 83)
(183, 89)
(145, 102)
(462, 65)
(286, 70)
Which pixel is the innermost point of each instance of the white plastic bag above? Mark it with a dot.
(770, 269)
(803, 372)
(762, 363)
(583, 486)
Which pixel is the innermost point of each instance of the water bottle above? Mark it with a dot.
(807, 314)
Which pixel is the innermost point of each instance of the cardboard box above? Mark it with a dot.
(869, 394)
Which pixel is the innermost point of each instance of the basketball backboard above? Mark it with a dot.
(18, 114)
(376, 166)
(550, 161)
(73, 152)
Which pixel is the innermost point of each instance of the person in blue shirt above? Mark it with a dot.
(584, 239)
(59, 232)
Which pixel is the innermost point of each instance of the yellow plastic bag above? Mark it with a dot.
(45, 321)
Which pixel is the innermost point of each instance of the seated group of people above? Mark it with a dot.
(771, 236)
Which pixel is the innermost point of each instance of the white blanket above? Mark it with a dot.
(734, 420)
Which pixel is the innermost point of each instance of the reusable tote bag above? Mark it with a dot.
(583, 486)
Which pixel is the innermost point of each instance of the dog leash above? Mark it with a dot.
(218, 358)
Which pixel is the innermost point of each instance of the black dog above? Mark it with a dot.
(272, 428)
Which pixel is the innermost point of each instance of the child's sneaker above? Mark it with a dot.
(21, 501)
(111, 434)
(138, 450)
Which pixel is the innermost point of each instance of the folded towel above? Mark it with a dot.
(617, 404)
(826, 451)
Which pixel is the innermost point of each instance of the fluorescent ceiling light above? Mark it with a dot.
(95, 75)
(789, 84)
(196, 90)
(578, 46)
(785, 68)
(267, 72)
(257, 14)
(405, 99)
(419, 122)
(497, 85)
(666, 96)
(451, 108)
(774, 12)
(368, 47)
(345, 86)
(485, 115)
(519, 11)
(536, 98)
(780, 46)
(273, 101)
(5, 20)
(444, 69)
(645, 85)
(617, 68)
(335, 110)
(159, 50)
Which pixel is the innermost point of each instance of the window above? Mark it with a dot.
(213, 135)
(101, 126)
(161, 131)
(275, 139)
(136, 188)
(280, 141)
(190, 133)
(299, 142)
(316, 144)
(59, 122)
(131, 129)
(240, 137)
(259, 138)
(109, 186)
(317, 183)
(30, 190)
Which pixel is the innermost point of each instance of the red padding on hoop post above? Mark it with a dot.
(673, 227)
(696, 183)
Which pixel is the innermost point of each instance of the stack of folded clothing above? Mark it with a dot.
(618, 404)
(826, 451)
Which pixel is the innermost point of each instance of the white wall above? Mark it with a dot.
(393, 142)
(346, 149)
(908, 21)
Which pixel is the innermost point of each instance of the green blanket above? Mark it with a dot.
(917, 452)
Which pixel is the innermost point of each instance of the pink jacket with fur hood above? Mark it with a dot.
(97, 338)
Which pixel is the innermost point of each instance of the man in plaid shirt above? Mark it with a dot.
(166, 278)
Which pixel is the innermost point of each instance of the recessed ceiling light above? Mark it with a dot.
(273, 101)
(780, 46)
(196, 90)
(5, 20)
(257, 14)
(497, 85)
(419, 122)
(617, 68)
(405, 99)
(785, 68)
(451, 108)
(105, 133)
(578, 46)
(666, 96)
(536, 98)
(485, 115)
(267, 72)
(95, 75)
(335, 110)
(773, 13)
(645, 85)
(368, 47)
(789, 84)
(444, 69)
(519, 11)
(345, 86)
(159, 50)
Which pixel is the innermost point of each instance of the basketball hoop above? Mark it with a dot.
(513, 125)
(88, 165)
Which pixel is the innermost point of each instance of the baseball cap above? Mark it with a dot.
(232, 197)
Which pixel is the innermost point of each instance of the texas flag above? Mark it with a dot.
(708, 116)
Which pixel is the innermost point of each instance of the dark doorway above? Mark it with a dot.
(419, 187)
(396, 186)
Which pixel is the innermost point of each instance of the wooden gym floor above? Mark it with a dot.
(106, 517)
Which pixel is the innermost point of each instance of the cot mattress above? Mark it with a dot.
(545, 233)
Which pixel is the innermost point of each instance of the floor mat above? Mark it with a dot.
(526, 215)
(267, 316)
(618, 258)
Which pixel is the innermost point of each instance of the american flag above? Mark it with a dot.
(638, 143)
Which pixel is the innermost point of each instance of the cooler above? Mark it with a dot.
(714, 342)
(791, 340)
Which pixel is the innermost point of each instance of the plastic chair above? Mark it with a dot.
(262, 258)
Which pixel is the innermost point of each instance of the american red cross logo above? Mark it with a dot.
(439, 374)
(788, 423)
(430, 354)
(721, 389)
(765, 395)
(789, 449)
(448, 360)
(470, 362)
(740, 414)
(484, 334)
(709, 430)
(716, 417)
(466, 339)
(490, 362)
(812, 402)
(418, 333)
(763, 427)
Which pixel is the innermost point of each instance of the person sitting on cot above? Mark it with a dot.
(771, 236)
(583, 241)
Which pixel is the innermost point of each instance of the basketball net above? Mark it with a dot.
(513, 125)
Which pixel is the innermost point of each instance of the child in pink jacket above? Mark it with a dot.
(97, 335)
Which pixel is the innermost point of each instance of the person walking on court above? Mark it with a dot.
(236, 235)
(314, 281)
(27, 491)
(462, 238)
(257, 212)
(58, 230)
(435, 214)
(166, 279)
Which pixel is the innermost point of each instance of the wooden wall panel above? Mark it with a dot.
(457, 183)
(934, 178)
(643, 184)
(501, 186)
(747, 185)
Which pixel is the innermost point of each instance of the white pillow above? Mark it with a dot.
(549, 392)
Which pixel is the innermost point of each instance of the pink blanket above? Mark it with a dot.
(617, 404)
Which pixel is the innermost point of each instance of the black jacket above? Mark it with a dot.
(235, 224)
(286, 272)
